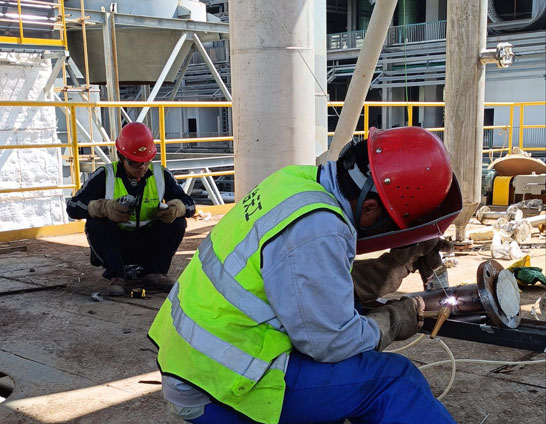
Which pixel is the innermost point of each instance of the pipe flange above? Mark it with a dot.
(487, 277)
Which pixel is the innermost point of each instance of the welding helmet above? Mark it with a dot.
(409, 170)
(136, 142)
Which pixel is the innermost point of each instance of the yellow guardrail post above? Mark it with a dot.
(366, 119)
(521, 107)
(410, 114)
(163, 147)
(75, 152)
(63, 20)
(21, 35)
(511, 125)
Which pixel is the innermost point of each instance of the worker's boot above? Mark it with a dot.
(116, 287)
(159, 282)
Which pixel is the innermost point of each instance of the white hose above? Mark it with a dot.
(406, 346)
(483, 361)
(454, 361)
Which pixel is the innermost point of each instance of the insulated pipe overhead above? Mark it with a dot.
(464, 96)
(362, 76)
(273, 89)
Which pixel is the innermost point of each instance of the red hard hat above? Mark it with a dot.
(136, 142)
(411, 172)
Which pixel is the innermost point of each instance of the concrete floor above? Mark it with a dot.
(74, 360)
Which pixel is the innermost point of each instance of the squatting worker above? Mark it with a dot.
(145, 235)
(261, 325)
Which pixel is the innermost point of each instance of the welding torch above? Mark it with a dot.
(441, 316)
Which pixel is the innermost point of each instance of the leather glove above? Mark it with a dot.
(108, 208)
(175, 210)
(377, 277)
(431, 259)
(398, 320)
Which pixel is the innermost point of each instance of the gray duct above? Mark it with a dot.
(538, 12)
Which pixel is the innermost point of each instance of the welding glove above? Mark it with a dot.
(432, 259)
(377, 277)
(398, 320)
(175, 210)
(108, 208)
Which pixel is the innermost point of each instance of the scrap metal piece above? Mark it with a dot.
(97, 297)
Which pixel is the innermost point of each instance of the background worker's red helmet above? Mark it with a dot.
(136, 142)
(411, 172)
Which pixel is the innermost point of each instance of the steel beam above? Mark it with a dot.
(530, 335)
(208, 31)
(174, 54)
(53, 76)
(112, 82)
(211, 67)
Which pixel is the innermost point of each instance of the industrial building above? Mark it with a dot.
(231, 94)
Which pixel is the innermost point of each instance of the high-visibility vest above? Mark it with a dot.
(216, 329)
(151, 197)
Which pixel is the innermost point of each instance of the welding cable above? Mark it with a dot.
(400, 349)
(485, 361)
(453, 362)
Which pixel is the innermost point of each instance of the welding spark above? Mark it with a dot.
(450, 300)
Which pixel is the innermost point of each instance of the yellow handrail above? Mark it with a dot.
(74, 145)
(22, 22)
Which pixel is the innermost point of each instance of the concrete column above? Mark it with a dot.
(273, 89)
(321, 81)
(465, 89)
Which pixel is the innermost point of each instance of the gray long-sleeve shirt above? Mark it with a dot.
(307, 279)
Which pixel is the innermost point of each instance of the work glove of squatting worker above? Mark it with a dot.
(398, 319)
(176, 209)
(108, 208)
(377, 277)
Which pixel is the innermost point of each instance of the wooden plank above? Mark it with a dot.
(12, 249)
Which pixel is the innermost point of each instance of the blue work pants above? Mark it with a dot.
(371, 387)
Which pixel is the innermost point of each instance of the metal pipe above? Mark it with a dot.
(516, 24)
(466, 300)
(363, 74)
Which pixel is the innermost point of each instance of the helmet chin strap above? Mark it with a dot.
(366, 182)
(363, 194)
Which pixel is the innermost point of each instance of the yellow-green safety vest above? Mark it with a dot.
(216, 329)
(151, 197)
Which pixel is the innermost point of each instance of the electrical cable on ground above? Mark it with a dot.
(454, 361)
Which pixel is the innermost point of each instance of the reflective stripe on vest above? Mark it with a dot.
(158, 178)
(216, 329)
(222, 352)
(221, 275)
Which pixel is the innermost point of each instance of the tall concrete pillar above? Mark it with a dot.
(321, 79)
(465, 90)
(273, 89)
